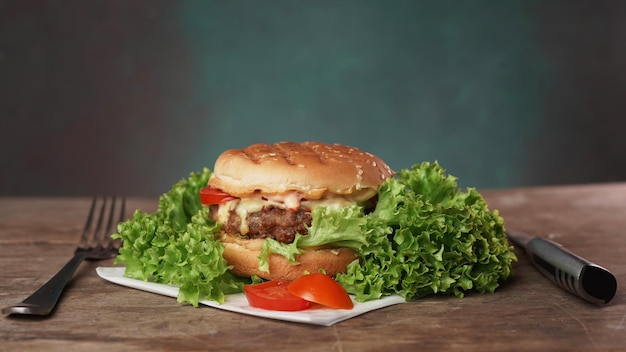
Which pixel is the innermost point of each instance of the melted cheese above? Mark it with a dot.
(334, 202)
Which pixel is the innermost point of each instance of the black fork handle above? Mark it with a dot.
(43, 301)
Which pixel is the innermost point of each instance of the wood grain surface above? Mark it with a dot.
(528, 313)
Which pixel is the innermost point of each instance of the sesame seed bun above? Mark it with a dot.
(313, 171)
(312, 168)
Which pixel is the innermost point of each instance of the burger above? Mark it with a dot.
(268, 192)
(278, 211)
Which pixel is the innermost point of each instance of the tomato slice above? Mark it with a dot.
(210, 196)
(322, 289)
(273, 295)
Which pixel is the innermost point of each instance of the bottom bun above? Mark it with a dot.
(242, 255)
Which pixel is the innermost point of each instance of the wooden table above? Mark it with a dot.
(37, 236)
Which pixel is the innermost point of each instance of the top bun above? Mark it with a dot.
(312, 168)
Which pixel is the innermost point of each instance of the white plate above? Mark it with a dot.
(238, 302)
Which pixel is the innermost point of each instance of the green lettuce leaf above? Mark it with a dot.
(431, 237)
(176, 245)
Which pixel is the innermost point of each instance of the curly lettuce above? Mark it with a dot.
(432, 237)
(426, 236)
(175, 245)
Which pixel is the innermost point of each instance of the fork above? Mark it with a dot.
(95, 244)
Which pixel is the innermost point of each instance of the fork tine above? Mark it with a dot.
(98, 230)
(107, 229)
(105, 239)
(86, 235)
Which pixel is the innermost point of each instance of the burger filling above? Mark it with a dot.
(279, 217)
(271, 222)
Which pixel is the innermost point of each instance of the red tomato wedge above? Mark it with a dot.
(210, 196)
(321, 289)
(273, 295)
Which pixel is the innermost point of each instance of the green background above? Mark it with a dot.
(130, 96)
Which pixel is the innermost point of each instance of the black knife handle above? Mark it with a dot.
(573, 273)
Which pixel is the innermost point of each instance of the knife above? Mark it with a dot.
(571, 272)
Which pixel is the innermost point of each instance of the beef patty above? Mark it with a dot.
(271, 222)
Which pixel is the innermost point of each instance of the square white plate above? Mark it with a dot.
(238, 302)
